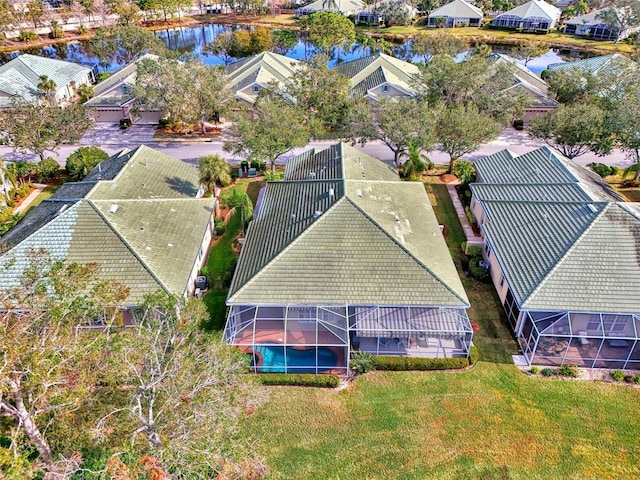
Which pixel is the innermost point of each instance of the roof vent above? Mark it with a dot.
(331, 192)
(592, 207)
(169, 244)
(359, 193)
(317, 213)
(113, 208)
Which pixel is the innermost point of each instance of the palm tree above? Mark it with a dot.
(240, 200)
(214, 170)
(85, 92)
(48, 86)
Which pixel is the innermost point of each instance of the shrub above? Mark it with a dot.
(476, 271)
(568, 371)
(534, 370)
(164, 122)
(518, 124)
(418, 363)
(27, 36)
(220, 226)
(470, 217)
(546, 372)
(602, 169)
(47, 169)
(473, 355)
(82, 29)
(362, 362)
(636, 379)
(474, 251)
(271, 176)
(125, 123)
(464, 170)
(300, 379)
(629, 183)
(83, 160)
(629, 379)
(618, 375)
(56, 30)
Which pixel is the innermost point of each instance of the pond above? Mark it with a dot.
(193, 39)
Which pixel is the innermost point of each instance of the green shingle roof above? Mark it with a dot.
(345, 239)
(566, 192)
(594, 65)
(147, 237)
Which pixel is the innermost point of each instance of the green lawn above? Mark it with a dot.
(489, 422)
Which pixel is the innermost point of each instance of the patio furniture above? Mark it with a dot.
(383, 342)
(398, 341)
(618, 343)
(582, 340)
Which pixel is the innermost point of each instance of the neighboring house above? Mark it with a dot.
(378, 76)
(528, 82)
(19, 78)
(113, 101)
(372, 16)
(562, 247)
(138, 215)
(456, 14)
(591, 25)
(247, 77)
(343, 7)
(533, 16)
(343, 255)
(611, 64)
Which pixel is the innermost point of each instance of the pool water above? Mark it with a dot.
(296, 361)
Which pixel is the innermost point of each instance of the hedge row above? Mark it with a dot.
(418, 363)
(300, 379)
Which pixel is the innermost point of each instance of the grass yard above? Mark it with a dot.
(489, 422)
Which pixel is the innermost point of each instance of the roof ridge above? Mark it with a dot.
(566, 254)
(129, 247)
(281, 252)
(393, 239)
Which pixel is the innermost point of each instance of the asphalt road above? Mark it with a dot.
(112, 139)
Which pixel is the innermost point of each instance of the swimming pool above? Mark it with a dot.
(272, 359)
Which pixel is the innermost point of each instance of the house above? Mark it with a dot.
(378, 76)
(19, 78)
(373, 15)
(562, 249)
(456, 14)
(343, 255)
(139, 215)
(247, 77)
(527, 82)
(343, 7)
(593, 26)
(113, 101)
(610, 65)
(533, 16)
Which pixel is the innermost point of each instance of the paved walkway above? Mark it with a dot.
(472, 238)
(30, 198)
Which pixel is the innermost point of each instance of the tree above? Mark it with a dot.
(39, 128)
(222, 47)
(284, 41)
(47, 169)
(56, 30)
(214, 170)
(6, 15)
(128, 12)
(620, 15)
(124, 43)
(398, 123)
(416, 163)
(573, 129)
(188, 392)
(329, 30)
(35, 12)
(322, 93)
(240, 201)
(396, 12)
(624, 122)
(571, 85)
(49, 366)
(48, 86)
(527, 51)
(279, 128)
(189, 91)
(461, 129)
(441, 43)
(83, 160)
(85, 92)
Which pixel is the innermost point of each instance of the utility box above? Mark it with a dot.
(201, 282)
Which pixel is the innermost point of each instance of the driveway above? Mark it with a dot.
(104, 133)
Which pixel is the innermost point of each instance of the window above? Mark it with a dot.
(385, 88)
(501, 282)
(256, 88)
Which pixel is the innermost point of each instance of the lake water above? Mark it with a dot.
(193, 39)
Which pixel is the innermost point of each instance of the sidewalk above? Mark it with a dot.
(472, 238)
(30, 199)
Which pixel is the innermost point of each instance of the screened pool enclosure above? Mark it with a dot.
(318, 339)
(595, 340)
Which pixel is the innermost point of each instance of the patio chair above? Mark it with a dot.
(383, 342)
(399, 341)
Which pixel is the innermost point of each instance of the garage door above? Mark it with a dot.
(111, 115)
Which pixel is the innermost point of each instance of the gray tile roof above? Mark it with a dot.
(564, 192)
(145, 236)
(341, 237)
